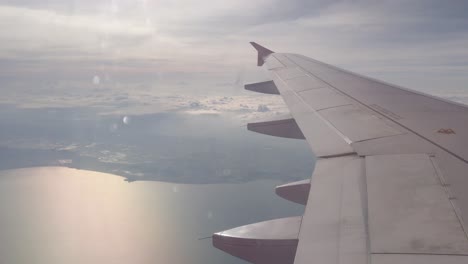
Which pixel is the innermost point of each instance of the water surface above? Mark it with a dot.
(64, 215)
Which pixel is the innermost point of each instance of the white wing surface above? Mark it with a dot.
(390, 183)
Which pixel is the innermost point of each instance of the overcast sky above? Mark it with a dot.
(71, 52)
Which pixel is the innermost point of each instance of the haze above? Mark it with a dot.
(122, 125)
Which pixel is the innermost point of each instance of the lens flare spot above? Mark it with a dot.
(126, 120)
(96, 80)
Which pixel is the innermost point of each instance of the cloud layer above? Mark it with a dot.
(52, 48)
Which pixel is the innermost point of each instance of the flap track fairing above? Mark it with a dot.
(286, 128)
(267, 87)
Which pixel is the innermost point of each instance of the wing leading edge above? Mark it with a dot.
(391, 171)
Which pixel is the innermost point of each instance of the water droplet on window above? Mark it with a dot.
(113, 128)
(96, 80)
(126, 120)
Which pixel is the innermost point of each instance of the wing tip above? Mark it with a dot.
(262, 52)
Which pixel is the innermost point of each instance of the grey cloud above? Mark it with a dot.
(195, 104)
(193, 46)
(263, 108)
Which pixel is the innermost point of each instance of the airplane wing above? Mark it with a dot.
(390, 184)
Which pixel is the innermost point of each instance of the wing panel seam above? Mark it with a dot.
(345, 138)
(449, 193)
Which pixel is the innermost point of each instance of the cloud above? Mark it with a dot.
(190, 47)
(263, 108)
(243, 107)
(195, 104)
(44, 30)
(138, 99)
(189, 30)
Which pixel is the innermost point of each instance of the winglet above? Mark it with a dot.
(262, 53)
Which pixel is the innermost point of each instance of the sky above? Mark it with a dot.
(134, 57)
